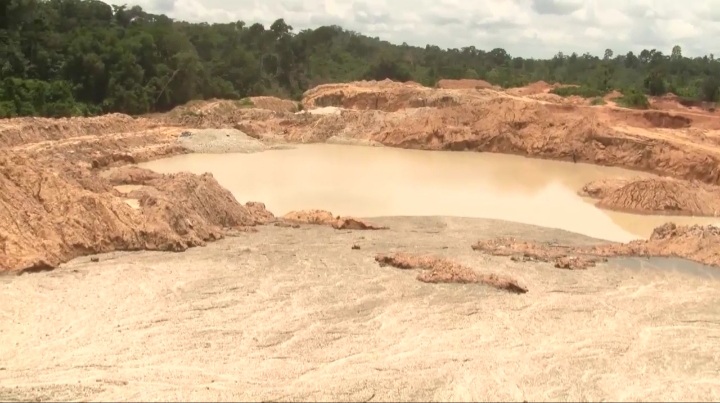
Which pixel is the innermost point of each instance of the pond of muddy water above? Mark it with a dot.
(383, 181)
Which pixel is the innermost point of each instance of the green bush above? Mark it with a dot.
(655, 84)
(29, 97)
(597, 101)
(633, 99)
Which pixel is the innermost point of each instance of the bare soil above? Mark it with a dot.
(304, 312)
(696, 243)
(74, 154)
(323, 217)
(289, 314)
(655, 196)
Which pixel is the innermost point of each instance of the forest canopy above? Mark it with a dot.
(85, 57)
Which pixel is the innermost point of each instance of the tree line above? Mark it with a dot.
(85, 57)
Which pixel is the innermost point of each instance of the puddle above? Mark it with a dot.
(383, 181)
(667, 264)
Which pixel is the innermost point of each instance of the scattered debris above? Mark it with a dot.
(441, 270)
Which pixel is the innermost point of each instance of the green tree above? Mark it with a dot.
(710, 90)
(77, 57)
(654, 84)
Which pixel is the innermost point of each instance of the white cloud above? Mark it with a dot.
(528, 28)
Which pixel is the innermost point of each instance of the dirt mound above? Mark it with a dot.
(666, 120)
(275, 104)
(49, 217)
(676, 122)
(20, 131)
(464, 84)
(385, 95)
(655, 196)
(672, 102)
(553, 98)
(439, 270)
(202, 196)
(537, 87)
(697, 243)
(142, 143)
(561, 256)
(131, 175)
(259, 213)
(489, 121)
(72, 151)
(317, 217)
(323, 217)
(600, 188)
(221, 115)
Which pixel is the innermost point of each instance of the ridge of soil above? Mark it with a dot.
(59, 175)
(434, 269)
(655, 196)
(696, 243)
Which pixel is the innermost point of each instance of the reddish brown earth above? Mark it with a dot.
(439, 270)
(465, 84)
(57, 174)
(655, 196)
(323, 217)
(51, 217)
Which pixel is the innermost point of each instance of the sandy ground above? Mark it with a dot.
(218, 141)
(296, 314)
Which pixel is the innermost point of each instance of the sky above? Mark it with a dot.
(526, 28)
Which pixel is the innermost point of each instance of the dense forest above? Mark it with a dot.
(85, 57)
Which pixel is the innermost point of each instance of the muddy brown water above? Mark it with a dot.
(380, 181)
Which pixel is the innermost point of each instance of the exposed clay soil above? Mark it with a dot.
(411, 116)
(440, 270)
(274, 104)
(70, 157)
(465, 84)
(696, 243)
(655, 196)
(322, 217)
(276, 313)
(52, 217)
